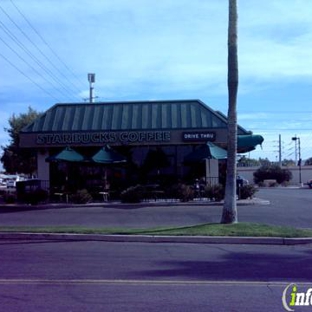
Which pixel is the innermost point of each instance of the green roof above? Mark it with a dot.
(138, 115)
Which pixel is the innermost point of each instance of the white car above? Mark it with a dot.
(11, 183)
(241, 180)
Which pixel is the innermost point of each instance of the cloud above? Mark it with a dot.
(162, 49)
(128, 41)
(171, 44)
(275, 39)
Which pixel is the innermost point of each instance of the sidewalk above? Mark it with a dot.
(196, 202)
(157, 239)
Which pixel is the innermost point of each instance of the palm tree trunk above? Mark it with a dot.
(229, 214)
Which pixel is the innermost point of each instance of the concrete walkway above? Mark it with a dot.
(157, 239)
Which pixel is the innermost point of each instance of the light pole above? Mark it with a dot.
(91, 79)
(295, 138)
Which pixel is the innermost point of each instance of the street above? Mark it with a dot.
(106, 276)
(102, 276)
(288, 207)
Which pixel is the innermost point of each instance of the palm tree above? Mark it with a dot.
(229, 214)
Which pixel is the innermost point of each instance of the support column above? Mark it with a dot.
(43, 167)
(212, 171)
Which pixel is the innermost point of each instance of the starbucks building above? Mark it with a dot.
(151, 142)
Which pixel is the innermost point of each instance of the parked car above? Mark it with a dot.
(12, 179)
(241, 181)
(11, 183)
(309, 183)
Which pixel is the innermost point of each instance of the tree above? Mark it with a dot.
(14, 158)
(264, 162)
(288, 163)
(248, 162)
(272, 172)
(308, 162)
(229, 214)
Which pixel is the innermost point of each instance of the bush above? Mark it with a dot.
(272, 172)
(9, 198)
(215, 192)
(81, 197)
(183, 192)
(133, 194)
(186, 192)
(247, 191)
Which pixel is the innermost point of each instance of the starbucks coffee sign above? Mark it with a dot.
(83, 138)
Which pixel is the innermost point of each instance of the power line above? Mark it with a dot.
(33, 68)
(34, 82)
(60, 86)
(33, 57)
(281, 129)
(16, 40)
(276, 112)
(49, 47)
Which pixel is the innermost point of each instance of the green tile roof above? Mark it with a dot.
(139, 115)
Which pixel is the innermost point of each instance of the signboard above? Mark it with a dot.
(199, 136)
(82, 138)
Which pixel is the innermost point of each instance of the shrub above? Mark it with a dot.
(273, 184)
(133, 194)
(215, 192)
(9, 197)
(272, 172)
(185, 192)
(247, 191)
(81, 197)
(285, 183)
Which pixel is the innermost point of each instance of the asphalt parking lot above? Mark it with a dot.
(287, 206)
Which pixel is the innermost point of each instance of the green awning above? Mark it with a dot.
(206, 151)
(107, 155)
(247, 143)
(67, 155)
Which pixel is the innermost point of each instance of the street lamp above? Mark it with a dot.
(295, 138)
(91, 79)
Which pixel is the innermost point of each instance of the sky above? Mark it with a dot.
(162, 50)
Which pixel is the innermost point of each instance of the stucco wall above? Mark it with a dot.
(43, 171)
(306, 173)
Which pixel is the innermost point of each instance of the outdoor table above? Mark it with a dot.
(61, 194)
(105, 195)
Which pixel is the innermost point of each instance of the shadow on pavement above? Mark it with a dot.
(238, 266)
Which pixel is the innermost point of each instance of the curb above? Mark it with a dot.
(157, 239)
(21, 207)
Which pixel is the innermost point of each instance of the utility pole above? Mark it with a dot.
(280, 150)
(296, 152)
(295, 138)
(299, 162)
(91, 79)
